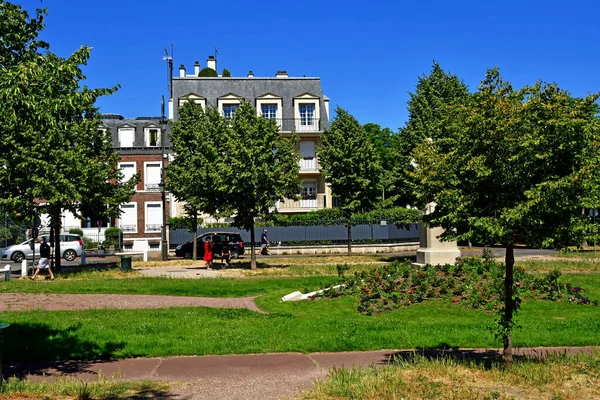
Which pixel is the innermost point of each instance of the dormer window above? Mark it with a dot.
(307, 112)
(193, 98)
(229, 110)
(269, 111)
(152, 136)
(126, 137)
(228, 104)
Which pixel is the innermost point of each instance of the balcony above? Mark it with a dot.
(129, 228)
(309, 164)
(289, 205)
(153, 227)
(152, 187)
(298, 124)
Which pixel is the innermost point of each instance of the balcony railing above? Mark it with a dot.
(152, 187)
(309, 164)
(128, 228)
(298, 124)
(153, 227)
(303, 204)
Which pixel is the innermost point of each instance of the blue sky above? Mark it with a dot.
(368, 54)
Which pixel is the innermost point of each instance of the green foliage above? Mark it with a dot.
(427, 115)
(350, 164)
(234, 168)
(386, 145)
(76, 231)
(89, 243)
(400, 216)
(183, 223)
(513, 162)
(208, 73)
(50, 145)
(5, 233)
(111, 237)
(226, 73)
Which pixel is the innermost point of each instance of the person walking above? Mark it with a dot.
(44, 262)
(208, 252)
(264, 243)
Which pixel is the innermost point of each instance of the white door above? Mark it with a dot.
(308, 161)
(309, 195)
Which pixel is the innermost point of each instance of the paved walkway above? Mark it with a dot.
(261, 376)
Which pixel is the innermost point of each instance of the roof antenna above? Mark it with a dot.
(169, 59)
(216, 52)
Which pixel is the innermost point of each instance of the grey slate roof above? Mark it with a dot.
(139, 124)
(250, 89)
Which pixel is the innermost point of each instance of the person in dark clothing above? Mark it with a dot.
(264, 244)
(44, 259)
(226, 255)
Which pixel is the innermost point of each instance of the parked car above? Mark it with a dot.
(71, 247)
(233, 239)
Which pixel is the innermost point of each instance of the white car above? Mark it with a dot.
(71, 247)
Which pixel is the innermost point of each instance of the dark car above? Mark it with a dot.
(220, 239)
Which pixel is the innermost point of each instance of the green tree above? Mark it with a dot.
(258, 167)
(197, 139)
(226, 73)
(426, 109)
(386, 144)
(512, 162)
(51, 147)
(208, 72)
(350, 163)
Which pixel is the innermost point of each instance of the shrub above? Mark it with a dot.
(208, 73)
(111, 237)
(76, 231)
(184, 223)
(89, 243)
(226, 73)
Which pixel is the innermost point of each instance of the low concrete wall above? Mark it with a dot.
(343, 249)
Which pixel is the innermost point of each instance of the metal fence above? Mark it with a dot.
(379, 231)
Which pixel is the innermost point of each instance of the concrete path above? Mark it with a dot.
(260, 376)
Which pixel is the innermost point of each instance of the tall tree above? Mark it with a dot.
(51, 148)
(426, 109)
(350, 163)
(258, 167)
(197, 139)
(512, 162)
(386, 144)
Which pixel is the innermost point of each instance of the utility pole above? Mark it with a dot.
(163, 125)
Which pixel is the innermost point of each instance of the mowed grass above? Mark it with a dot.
(565, 266)
(556, 378)
(309, 326)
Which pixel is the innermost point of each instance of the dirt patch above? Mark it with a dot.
(55, 302)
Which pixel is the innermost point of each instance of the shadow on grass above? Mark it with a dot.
(488, 358)
(28, 348)
(148, 394)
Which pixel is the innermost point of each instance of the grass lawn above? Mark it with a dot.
(558, 378)
(309, 326)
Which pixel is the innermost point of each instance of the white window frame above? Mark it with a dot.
(229, 99)
(154, 203)
(147, 135)
(307, 99)
(146, 183)
(123, 130)
(309, 203)
(125, 179)
(270, 98)
(308, 156)
(193, 97)
(136, 217)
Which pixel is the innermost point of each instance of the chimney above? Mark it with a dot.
(211, 62)
(182, 71)
(196, 68)
(250, 74)
(281, 74)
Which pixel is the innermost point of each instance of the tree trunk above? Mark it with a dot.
(195, 247)
(252, 253)
(350, 236)
(55, 220)
(508, 307)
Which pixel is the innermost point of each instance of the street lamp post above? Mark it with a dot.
(163, 243)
